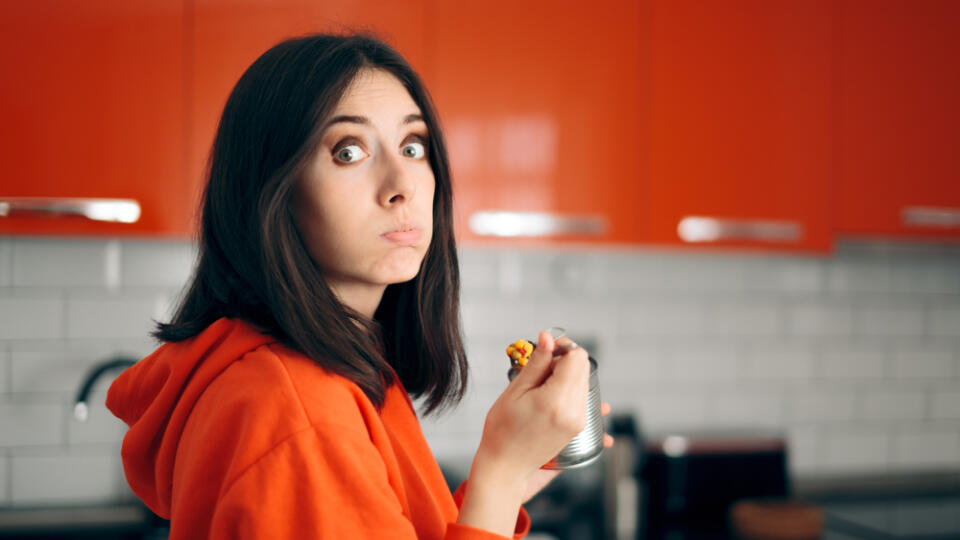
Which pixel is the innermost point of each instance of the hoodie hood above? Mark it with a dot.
(155, 396)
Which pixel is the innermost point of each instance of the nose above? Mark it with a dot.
(398, 185)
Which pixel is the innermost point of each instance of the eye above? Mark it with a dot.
(413, 150)
(349, 154)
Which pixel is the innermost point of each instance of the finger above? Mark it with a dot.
(607, 440)
(538, 366)
(563, 346)
(570, 376)
(604, 408)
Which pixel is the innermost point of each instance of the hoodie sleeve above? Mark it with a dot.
(321, 483)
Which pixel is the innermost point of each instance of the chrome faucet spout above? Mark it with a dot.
(80, 409)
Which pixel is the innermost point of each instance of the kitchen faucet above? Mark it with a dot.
(80, 409)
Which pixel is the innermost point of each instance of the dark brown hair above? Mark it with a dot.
(253, 264)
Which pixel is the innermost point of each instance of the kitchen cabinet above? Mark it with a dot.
(899, 86)
(226, 36)
(738, 124)
(93, 106)
(542, 109)
(120, 100)
(742, 109)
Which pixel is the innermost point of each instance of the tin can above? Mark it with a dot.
(587, 445)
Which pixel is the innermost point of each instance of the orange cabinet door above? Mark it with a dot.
(742, 112)
(900, 118)
(228, 35)
(93, 107)
(541, 106)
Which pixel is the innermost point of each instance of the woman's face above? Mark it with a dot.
(364, 206)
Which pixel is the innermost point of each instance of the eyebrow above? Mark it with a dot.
(350, 119)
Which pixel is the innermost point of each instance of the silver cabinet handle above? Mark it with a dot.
(113, 210)
(508, 224)
(928, 216)
(695, 229)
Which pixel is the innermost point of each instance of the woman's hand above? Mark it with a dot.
(533, 419)
(540, 411)
(542, 477)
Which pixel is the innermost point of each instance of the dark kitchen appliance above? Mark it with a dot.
(690, 480)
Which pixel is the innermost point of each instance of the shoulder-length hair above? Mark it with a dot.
(253, 264)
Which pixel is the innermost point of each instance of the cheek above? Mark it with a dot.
(320, 220)
(426, 201)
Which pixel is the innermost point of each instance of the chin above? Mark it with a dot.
(402, 267)
(398, 274)
(403, 277)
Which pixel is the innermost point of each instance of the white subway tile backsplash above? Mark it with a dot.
(819, 318)
(890, 320)
(627, 273)
(154, 263)
(6, 262)
(4, 481)
(746, 318)
(923, 361)
(111, 316)
(54, 368)
(788, 275)
(856, 273)
(33, 422)
(856, 357)
(662, 409)
(662, 317)
(64, 478)
(777, 361)
(945, 405)
(59, 263)
(802, 449)
(812, 404)
(583, 317)
(707, 362)
(856, 450)
(630, 360)
(892, 405)
(927, 275)
(928, 447)
(560, 273)
(478, 270)
(4, 370)
(38, 316)
(703, 273)
(944, 320)
(486, 316)
(852, 361)
(745, 409)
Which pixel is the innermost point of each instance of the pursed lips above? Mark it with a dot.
(404, 235)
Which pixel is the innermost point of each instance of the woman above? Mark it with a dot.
(326, 290)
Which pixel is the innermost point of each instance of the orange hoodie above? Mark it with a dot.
(233, 435)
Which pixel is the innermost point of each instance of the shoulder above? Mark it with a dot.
(265, 401)
(275, 386)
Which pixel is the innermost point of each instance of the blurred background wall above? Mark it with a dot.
(855, 358)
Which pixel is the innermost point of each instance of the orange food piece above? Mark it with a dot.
(520, 351)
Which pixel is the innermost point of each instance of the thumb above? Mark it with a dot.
(538, 366)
